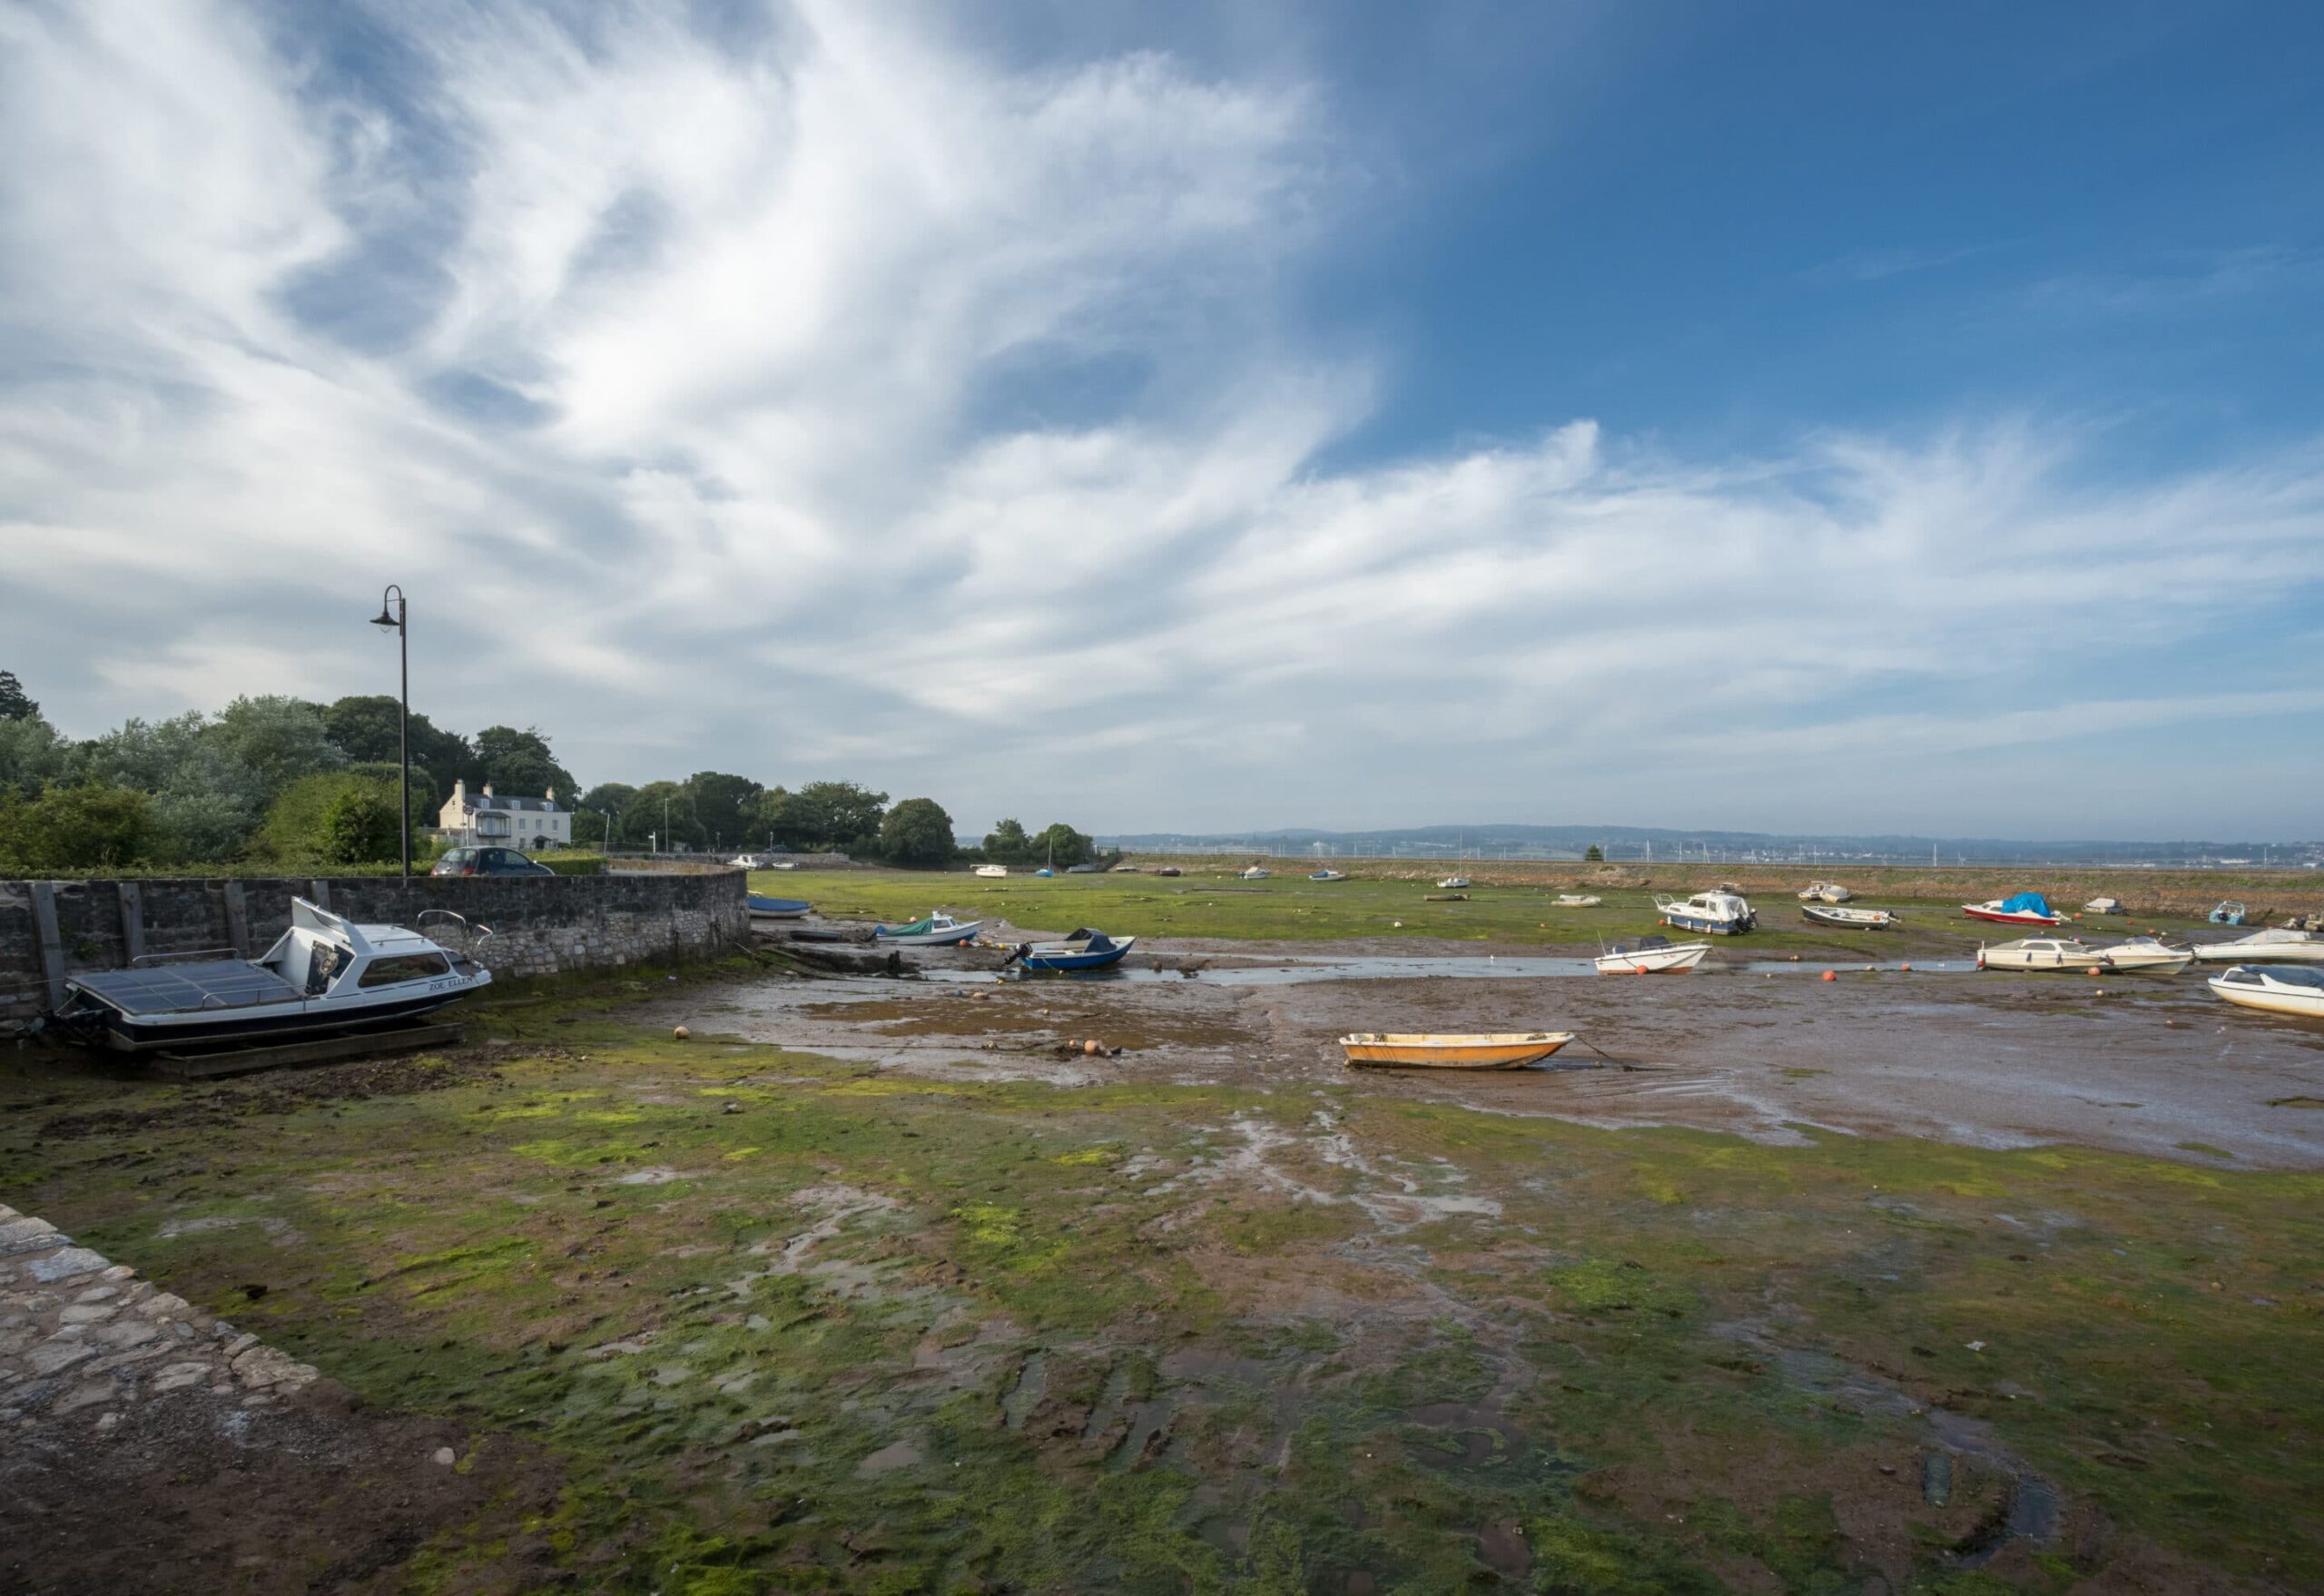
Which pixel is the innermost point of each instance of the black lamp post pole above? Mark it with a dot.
(398, 618)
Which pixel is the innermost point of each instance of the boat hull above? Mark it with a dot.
(2006, 917)
(1426, 1051)
(2242, 952)
(1062, 961)
(778, 907)
(950, 937)
(2299, 1005)
(1848, 919)
(2147, 961)
(128, 1033)
(2072, 960)
(1653, 961)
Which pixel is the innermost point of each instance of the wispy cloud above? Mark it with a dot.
(680, 422)
(1873, 265)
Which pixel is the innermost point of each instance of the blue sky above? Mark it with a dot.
(1793, 417)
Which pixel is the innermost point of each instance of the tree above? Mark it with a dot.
(278, 740)
(88, 826)
(207, 796)
(31, 755)
(1061, 846)
(363, 727)
(662, 810)
(1007, 843)
(332, 817)
(1593, 855)
(13, 705)
(596, 818)
(722, 804)
(519, 764)
(772, 819)
(824, 816)
(917, 832)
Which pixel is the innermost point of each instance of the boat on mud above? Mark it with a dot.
(1651, 956)
(1081, 949)
(1434, 1051)
(1849, 918)
(324, 974)
(765, 908)
(2025, 908)
(939, 930)
(1168, 870)
(2292, 990)
(2274, 945)
(2147, 956)
(1454, 884)
(2228, 913)
(2105, 906)
(1825, 893)
(2041, 953)
(1257, 873)
(1720, 913)
(1327, 875)
(1577, 901)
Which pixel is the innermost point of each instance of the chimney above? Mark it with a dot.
(550, 797)
(487, 789)
(460, 792)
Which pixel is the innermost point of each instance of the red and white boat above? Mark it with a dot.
(2025, 909)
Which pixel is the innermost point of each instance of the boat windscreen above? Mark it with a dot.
(190, 988)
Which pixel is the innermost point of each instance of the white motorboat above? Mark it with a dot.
(2284, 988)
(1825, 893)
(1651, 956)
(2147, 956)
(2023, 909)
(2105, 906)
(323, 974)
(939, 929)
(1326, 874)
(1848, 919)
(992, 872)
(1454, 884)
(1578, 901)
(2041, 953)
(2274, 945)
(1257, 873)
(1720, 913)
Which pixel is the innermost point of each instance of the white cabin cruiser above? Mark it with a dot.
(1721, 913)
(1825, 893)
(2292, 990)
(2041, 953)
(992, 872)
(2147, 956)
(2272, 946)
(1454, 884)
(1257, 873)
(323, 974)
(1651, 956)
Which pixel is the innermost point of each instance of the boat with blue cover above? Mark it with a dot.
(1081, 949)
(2025, 908)
(765, 908)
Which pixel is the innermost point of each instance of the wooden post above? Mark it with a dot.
(238, 918)
(52, 943)
(133, 921)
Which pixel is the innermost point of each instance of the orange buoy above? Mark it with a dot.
(1906, 968)
(1089, 1049)
(1831, 975)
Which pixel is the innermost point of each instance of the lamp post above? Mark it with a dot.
(392, 620)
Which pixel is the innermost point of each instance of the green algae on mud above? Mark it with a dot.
(796, 1324)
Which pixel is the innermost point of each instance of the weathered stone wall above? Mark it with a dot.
(542, 925)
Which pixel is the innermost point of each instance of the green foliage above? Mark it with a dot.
(565, 863)
(13, 705)
(364, 728)
(277, 740)
(836, 816)
(332, 818)
(661, 813)
(520, 763)
(917, 832)
(597, 817)
(31, 755)
(1007, 843)
(1593, 855)
(722, 805)
(89, 826)
(1061, 846)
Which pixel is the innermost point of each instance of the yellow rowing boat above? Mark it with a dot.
(1428, 1050)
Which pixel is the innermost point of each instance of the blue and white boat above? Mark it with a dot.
(1722, 914)
(778, 907)
(939, 929)
(1083, 950)
(1327, 875)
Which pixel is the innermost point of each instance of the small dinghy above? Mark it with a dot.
(1825, 893)
(2025, 908)
(323, 974)
(1578, 901)
(1651, 956)
(1082, 950)
(1255, 874)
(2105, 906)
(2228, 913)
(1848, 919)
(990, 872)
(1327, 875)
(939, 929)
(2041, 953)
(1454, 884)
(2147, 956)
(1429, 1050)
(2274, 945)
(1721, 913)
(2281, 990)
(1166, 869)
(778, 907)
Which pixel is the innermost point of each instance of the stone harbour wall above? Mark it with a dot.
(541, 925)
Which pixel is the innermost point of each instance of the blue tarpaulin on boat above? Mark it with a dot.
(2026, 903)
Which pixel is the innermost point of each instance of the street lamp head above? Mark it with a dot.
(386, 620)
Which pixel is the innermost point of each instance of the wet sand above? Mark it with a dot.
(2149, 1065)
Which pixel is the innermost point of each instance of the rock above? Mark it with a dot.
(445, 1456)
(88, 1394)
(86, 1312)
(107, 1423)
(174, 1376)
(239, 1346)
(163, 1304)
(69, 1264)
(21, 1235)
(125, 1334)
(52, 1357)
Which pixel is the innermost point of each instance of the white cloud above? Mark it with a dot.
(869, 408)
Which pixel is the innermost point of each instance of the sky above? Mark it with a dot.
(1798, 417)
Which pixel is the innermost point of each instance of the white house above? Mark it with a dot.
(486, 816)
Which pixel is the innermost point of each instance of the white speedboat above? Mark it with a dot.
(323, 974)
(1825, 893)
(2282, 990)
(1454, 884)
(1578, 901)
(992, 872)
(1651, 956)
(2041, 953)
(1847, 919)
(939, 929)
(2147, 956)
(2105, 906)
(1257, 873)
(1720, 913)
(1326, 874)
(2274, 945)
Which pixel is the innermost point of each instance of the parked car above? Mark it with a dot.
(488, 862)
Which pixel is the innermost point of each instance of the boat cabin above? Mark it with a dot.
(321, 953)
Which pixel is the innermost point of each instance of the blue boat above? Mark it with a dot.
(778, 907)
(1084, 950)
(2228, 913)
(1045, 873)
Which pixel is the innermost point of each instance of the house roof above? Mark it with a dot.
(476, 801)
